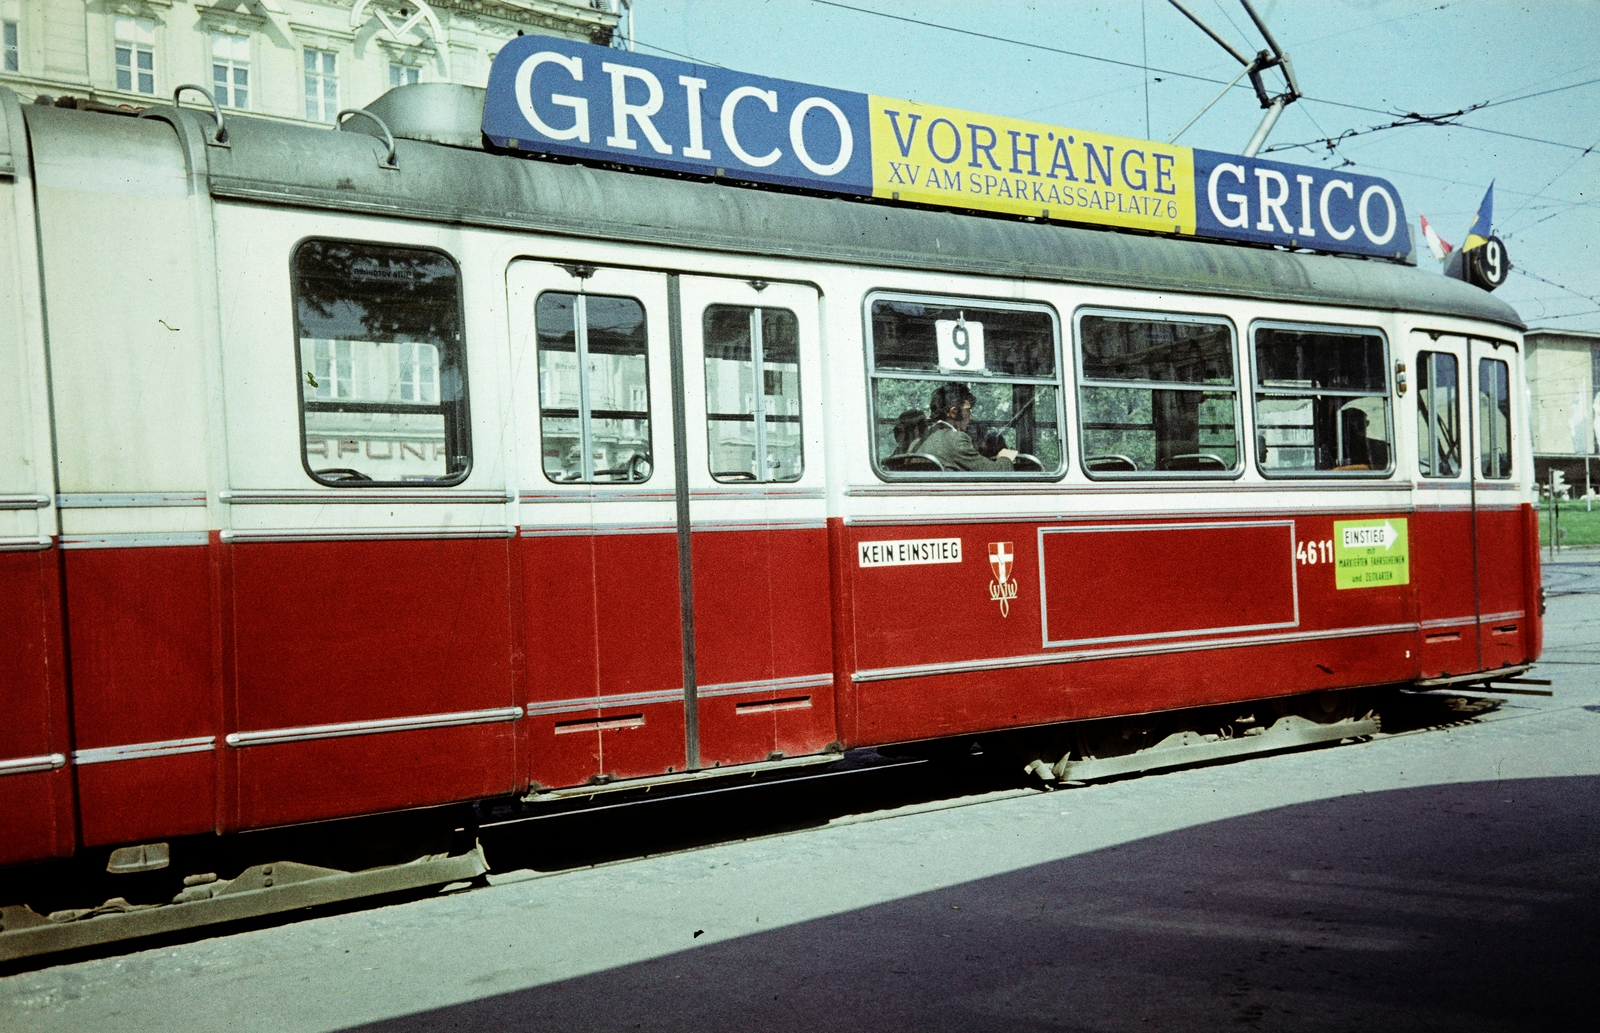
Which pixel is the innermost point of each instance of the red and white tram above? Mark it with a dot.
(343, 478)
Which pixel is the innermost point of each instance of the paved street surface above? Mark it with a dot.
(1446, 879)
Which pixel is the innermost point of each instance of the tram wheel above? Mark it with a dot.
(1331, 706)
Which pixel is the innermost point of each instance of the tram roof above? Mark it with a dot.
(304, 166)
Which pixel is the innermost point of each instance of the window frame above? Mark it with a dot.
(11, 44)
(1353, 330)
(760, 417)
(1242, 444)
(968, 301)
(464, 416)
(1482, 455)
(585, 417)
(404, 71)
(1427, 448)
(322, 78)
(135, 46)
(232, 64)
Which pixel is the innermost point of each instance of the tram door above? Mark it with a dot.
(1442, 541)
(753, 394)
(1498, 513)
(592, 398)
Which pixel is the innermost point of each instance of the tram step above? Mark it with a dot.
(262, 890)
(1184, 748)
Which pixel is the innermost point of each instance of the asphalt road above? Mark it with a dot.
(1444, 879)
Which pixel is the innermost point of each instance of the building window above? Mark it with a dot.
(1322, 401)
(136, 54)
(1157, 395)
(997, 366)
(403, 75)
(1494, 418)
(382, 363)
(1438, 415)
(322, 85)
(594, 397)
(8, 34)
(753, 393)
(230, 69)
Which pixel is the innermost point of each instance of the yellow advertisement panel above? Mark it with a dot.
(963, 159)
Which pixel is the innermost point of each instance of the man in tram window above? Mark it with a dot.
(1361, 452)
(948, 440)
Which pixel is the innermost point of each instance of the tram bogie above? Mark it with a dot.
(341, 490)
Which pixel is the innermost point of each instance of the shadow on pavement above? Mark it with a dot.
(1458, 907)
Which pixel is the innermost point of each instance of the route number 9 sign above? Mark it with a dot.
(960, 344)
(1489, 265)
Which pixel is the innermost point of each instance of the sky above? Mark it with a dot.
(1139, 68)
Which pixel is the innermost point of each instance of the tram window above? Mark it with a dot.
(753, 436)
(1007, 358)
(1157, 396)
(1494, 418)
(1438, 415)
(1322, 401)
(382, 365)
(594, 388)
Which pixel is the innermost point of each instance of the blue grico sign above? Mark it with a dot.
(1269, 202)
(584, 101)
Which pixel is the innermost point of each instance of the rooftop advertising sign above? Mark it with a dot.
(561, 97)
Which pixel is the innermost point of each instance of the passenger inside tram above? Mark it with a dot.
(948, 440)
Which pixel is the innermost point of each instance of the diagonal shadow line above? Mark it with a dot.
(1468, 906)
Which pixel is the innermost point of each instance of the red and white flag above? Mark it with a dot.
(1437, 244)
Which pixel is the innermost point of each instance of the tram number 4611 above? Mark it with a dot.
(1311, 553)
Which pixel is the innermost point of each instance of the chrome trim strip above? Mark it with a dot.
(774, 495)
(1289, 555)
(349, 728)
(757, 525)
(1039, 517)
(24, 501)
(28, 543)
(129, 500)
(140, 540)
(1487, 618)
(364, 534)
(583, 495)
(1114, 488)
(632, 699)
(30, 765)
(740, 688)
(569, 531)
(374, 497)
(145, 750)
(639, 699)
(1047, 659)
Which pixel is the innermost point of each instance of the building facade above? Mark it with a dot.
(301, 60)
(1564, 405)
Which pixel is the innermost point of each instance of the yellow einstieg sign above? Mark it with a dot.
(963, 159)
(1371, 553)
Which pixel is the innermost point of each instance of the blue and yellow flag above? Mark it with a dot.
(1482, 224)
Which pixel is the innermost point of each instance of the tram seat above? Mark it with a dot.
(908, 462)
(1111, 463)
(1191, 461)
